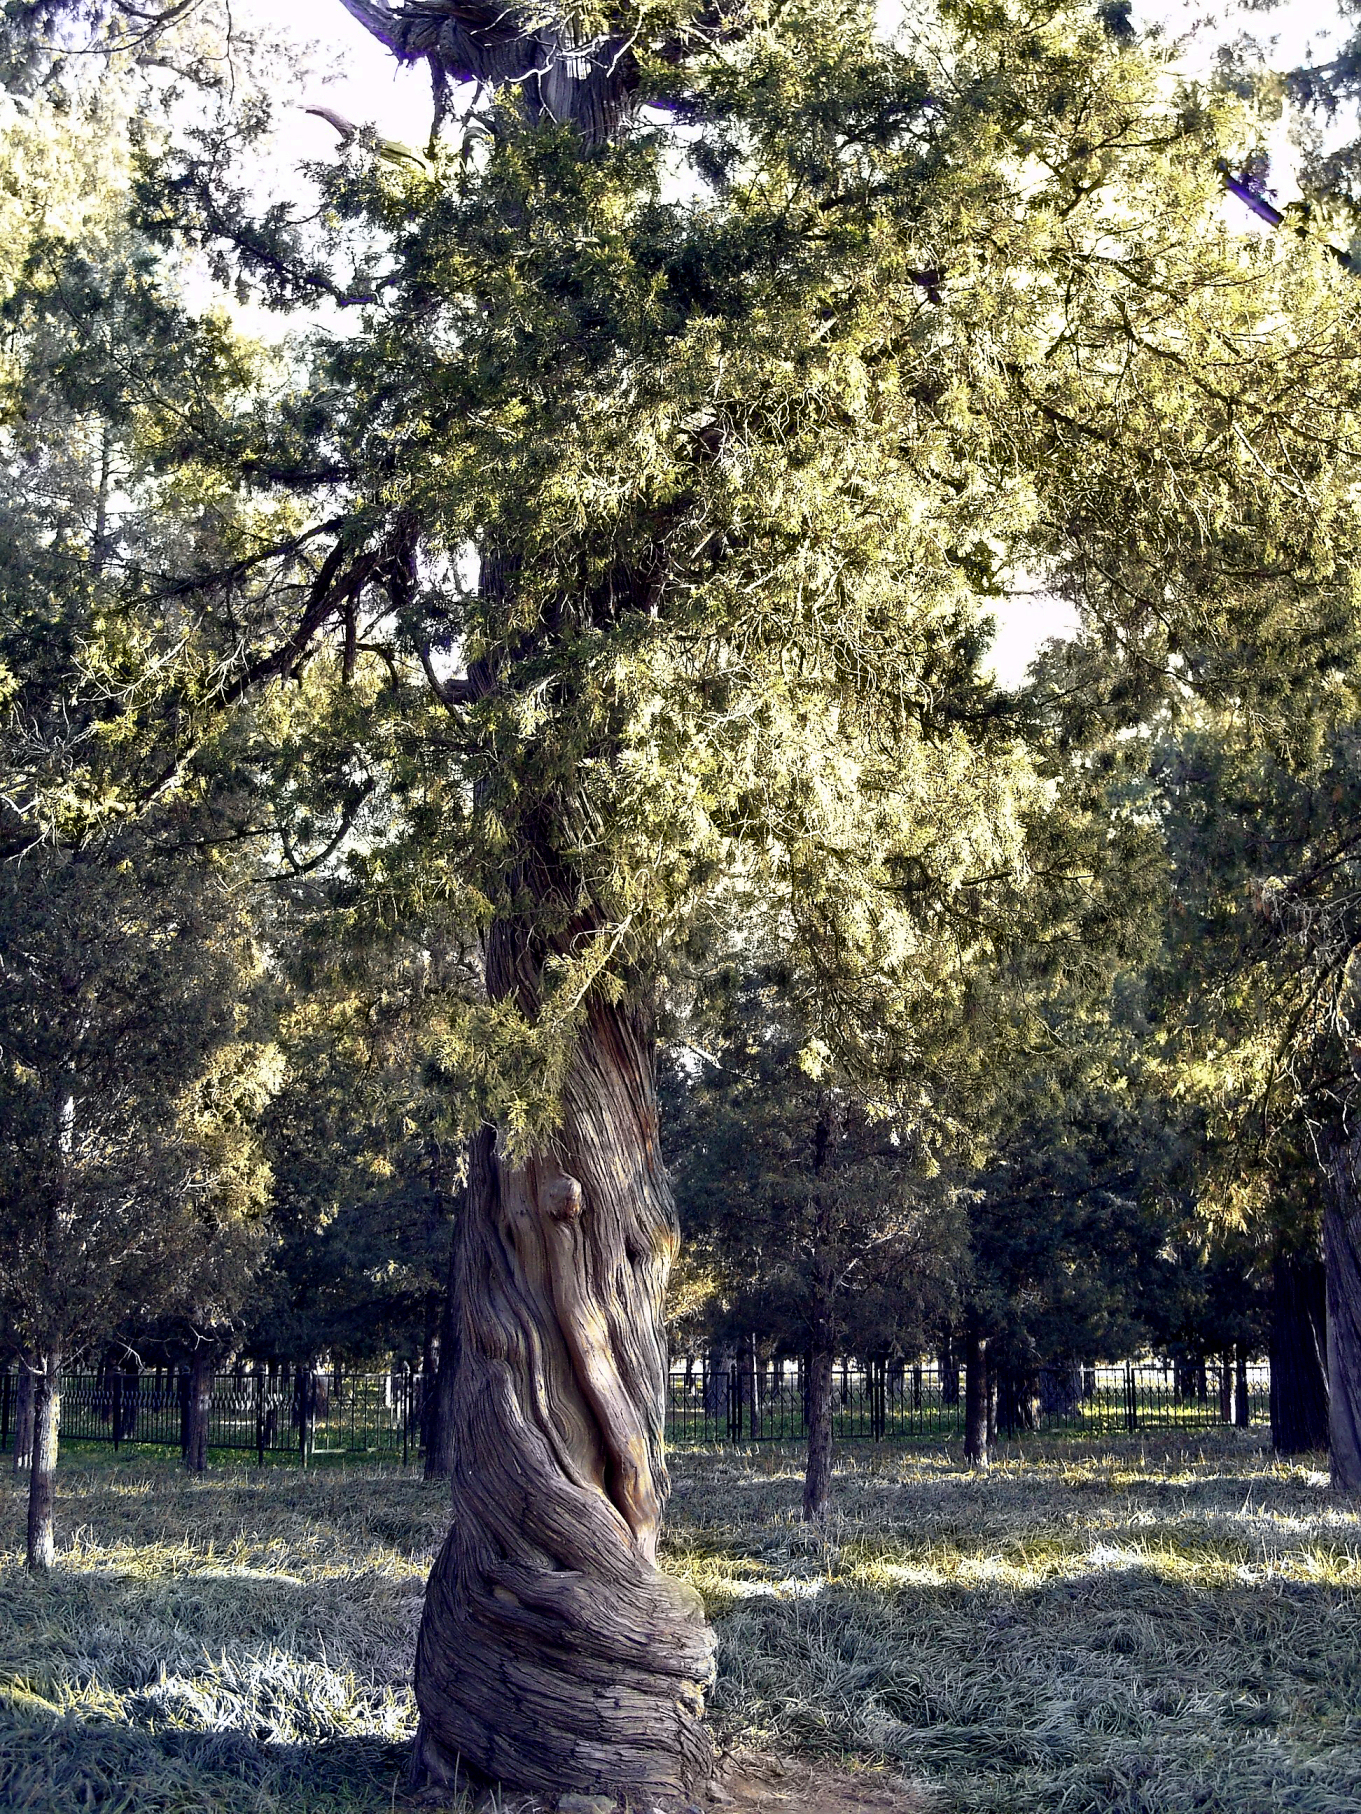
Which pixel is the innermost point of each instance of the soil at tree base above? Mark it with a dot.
(746, 1781)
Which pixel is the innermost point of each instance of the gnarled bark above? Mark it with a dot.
(553, 1653)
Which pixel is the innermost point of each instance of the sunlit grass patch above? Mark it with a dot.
(241, 1643)
(1140, 1629)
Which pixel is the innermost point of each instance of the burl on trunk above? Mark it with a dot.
(553, 1653)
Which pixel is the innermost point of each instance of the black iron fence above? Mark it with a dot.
(299, 1414)
(746, 1401)
(304, 1415)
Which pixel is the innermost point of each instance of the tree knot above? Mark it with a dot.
(563, 1198)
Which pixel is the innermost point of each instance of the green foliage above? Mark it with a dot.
(800, 1210)
(744, 461)
(615, 588)
(130, 1079)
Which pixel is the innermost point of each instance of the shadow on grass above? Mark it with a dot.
(163, 1670)
(77, 1759)
(1118, 1688)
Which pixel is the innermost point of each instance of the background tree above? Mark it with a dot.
(798, 1199)
(129, 1179)
(1260, 1007)
(1069, 1221)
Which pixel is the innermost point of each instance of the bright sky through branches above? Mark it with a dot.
(357, 79)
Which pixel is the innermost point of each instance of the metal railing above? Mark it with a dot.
(303, 1415)
(886, 1401)
(297, 1414)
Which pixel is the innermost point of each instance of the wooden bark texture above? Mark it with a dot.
(1299, 1354)
(553, 1653)
(539, 52)
(976, 1393)
(817, 1481)
(1342, 1263)
(42, 1479)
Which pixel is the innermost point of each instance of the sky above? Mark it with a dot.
(369, 86)
(359, 79)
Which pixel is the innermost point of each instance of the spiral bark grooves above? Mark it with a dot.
(553, 1653)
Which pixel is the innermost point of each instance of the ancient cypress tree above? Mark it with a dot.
(689, 497)
(716, 371)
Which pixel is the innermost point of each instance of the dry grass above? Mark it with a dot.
(1122, 1631)
(1152, 1632)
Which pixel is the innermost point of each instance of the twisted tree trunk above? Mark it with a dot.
(553, 1653)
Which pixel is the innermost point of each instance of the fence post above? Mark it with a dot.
(116, 1394)
(259, 1414)
(734, 1404)
(406, 1409)
(5, 1413)
(1131, 1398)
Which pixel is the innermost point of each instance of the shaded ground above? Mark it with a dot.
(1127, 1631)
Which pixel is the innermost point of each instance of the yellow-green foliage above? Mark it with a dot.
(1155, 1630)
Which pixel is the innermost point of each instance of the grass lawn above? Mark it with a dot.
(1123, 1628)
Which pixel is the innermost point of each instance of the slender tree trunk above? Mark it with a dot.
(1299, 1354)
(718, 1372)
(198, 1406)
(749, 1387)
(947, 1360)
(23, 1417)
(1242, 1409)
(42, 1478)
(1226, 1386)
(976, 1396)
(553, 1653)
(817, 1480)
(1342, 1262)
(439, 1443)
